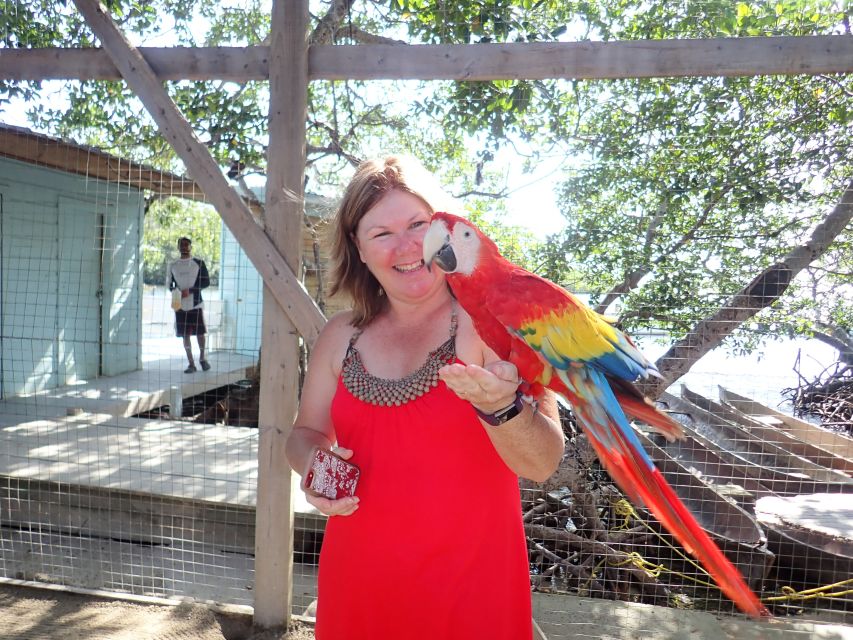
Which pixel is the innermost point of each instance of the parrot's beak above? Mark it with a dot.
(437, 248)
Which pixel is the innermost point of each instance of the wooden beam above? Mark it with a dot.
(23, 145)
(169, 63)
(587, 60)
(277, 275)
(280, 356)
(773, 55)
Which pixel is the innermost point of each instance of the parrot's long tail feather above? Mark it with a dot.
(620, 451)
(641, 409)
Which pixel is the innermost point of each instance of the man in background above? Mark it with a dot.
(189, 276)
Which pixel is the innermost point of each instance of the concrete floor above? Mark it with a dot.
(96, 498)
(562, 617)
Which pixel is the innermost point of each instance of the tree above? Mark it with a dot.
(679, 192)
(690, 193)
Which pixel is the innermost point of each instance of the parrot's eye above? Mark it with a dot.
(467, 234)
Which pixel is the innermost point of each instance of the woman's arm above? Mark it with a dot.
(531, 443)
(313, 424)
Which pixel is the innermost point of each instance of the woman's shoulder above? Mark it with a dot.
(338, 327)
(332, 343)
(341, 319)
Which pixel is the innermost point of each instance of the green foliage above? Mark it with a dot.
(697, 184)
(516, 244)
(678, 192)
(436, 21)
(230, 118)
(167, 220)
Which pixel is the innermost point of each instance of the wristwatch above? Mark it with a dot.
(502, 415)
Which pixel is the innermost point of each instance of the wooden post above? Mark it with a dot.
(279, 342)
(295, 309)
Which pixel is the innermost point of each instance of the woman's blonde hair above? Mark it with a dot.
(372, 181)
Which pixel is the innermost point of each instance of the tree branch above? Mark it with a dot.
(329, 24)
(839, 340)
(632, 279)
(765, 289)
(362, 36)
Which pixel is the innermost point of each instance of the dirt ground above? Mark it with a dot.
(38, 614)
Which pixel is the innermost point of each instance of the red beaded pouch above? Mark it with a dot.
(330, 476)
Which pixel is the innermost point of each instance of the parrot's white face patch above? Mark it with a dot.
(466, 246)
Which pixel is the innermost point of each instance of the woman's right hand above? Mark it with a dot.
(344, 506)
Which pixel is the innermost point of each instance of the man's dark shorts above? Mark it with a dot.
(189, 323)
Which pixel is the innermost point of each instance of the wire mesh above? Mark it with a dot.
(122, 472)
(116, 473)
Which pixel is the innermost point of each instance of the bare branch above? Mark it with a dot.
(839, 340)
(496, 195)
(329, 24)
(359, 35)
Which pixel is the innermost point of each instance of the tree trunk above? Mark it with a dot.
(766, 288)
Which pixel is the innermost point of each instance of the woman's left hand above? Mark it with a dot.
(489, 389)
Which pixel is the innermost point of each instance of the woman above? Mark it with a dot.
(432, 546)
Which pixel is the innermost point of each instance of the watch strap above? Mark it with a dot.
(502, 415)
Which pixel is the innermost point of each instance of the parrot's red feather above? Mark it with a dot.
(656, 494)
(512, 310)
(641, 408)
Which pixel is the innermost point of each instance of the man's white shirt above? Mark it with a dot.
(185, 272)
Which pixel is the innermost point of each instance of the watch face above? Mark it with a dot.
(499, 417)
(509, 414)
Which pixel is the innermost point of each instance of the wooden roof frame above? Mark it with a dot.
(289, 64)
(39, 149)
(19, 143)
(763, 55)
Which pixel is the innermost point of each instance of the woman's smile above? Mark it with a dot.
(408, 268)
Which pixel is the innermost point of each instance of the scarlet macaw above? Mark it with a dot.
(557, 342)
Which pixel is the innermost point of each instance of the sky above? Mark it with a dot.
(531, 203)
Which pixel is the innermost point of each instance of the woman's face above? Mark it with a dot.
(390, 242)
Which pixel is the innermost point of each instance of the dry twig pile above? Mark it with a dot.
(829, 396)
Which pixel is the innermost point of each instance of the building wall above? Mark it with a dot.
(241, 295)
(70, 286)
(241, 287)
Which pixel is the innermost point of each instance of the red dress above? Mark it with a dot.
(436, 549)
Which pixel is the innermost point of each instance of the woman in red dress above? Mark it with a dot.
(432, 545)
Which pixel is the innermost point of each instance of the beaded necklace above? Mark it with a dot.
(385, 392)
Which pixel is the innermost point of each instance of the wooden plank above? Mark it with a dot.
(237, 64)
(827, 514)
(45, 151)
(277, 275)
(132, 516)
(167, 458)
(835, 442)
(763, 55)
(280, 349)
(586, 60)
(136, 515)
